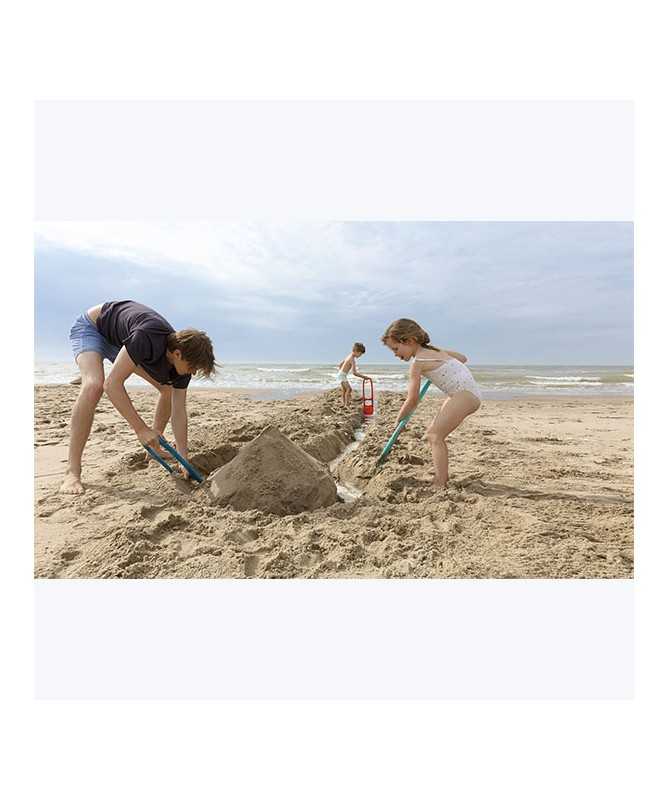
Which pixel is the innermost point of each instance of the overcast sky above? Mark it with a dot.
(502, 293)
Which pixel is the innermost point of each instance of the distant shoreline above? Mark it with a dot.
(292, 380)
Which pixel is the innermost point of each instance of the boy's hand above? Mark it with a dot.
(149, 436)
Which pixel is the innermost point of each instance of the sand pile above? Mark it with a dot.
(273, 474)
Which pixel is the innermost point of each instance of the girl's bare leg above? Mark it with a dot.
(449, 417)
(92, 384)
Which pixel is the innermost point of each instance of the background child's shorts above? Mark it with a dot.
(84, 336)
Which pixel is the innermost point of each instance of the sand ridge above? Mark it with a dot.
(540, 488)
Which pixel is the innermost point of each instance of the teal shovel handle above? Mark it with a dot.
(192, 472)
(402, 423)
(155, 455)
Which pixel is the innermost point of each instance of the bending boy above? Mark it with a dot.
(136, 339)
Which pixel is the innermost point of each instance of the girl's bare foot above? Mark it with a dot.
(72, 485)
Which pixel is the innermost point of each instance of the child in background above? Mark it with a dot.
(446, 370)
(347, 365)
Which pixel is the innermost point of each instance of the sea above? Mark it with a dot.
(275, 381)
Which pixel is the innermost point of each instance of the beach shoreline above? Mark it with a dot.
(542, 487)
(280, 381)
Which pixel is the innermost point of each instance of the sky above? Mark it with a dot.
(502, 293)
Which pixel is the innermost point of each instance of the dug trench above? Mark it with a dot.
(496, 519)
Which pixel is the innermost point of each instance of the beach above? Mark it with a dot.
(540, 488)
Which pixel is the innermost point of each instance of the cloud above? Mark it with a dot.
(305, 261)
(486, 283)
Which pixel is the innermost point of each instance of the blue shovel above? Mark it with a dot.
(402, 423)
(192, 472)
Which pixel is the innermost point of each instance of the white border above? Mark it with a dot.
(473, 750)
(334, 160)
(334, 639)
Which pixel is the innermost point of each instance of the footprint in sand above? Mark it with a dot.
(136, 461)
(506, 491)
(251, 565)
(310, 560)
(245, 536)
(166, 523)
(149, 512)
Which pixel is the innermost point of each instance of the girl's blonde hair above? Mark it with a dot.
(403, 330)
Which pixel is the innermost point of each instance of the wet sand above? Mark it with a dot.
(540, 488)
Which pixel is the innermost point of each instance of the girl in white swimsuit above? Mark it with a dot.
(446, 370)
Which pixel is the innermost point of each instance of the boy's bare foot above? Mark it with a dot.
(439, 484)
(72, 485)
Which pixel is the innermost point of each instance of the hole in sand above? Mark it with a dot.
(208, 461)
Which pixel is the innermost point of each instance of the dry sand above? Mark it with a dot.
(540, 488)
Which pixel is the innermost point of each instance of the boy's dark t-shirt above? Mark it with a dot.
(144, 333)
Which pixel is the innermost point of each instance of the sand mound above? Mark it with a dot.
(274, 474)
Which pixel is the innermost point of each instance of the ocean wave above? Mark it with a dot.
(502, 381)
(572, 379)
(283, 369)
(548, 383)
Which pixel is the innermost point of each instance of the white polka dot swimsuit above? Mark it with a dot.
(452, 376)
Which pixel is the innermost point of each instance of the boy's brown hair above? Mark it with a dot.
(359, 347)
(196, 349)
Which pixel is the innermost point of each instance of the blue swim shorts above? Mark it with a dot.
(84, 336)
